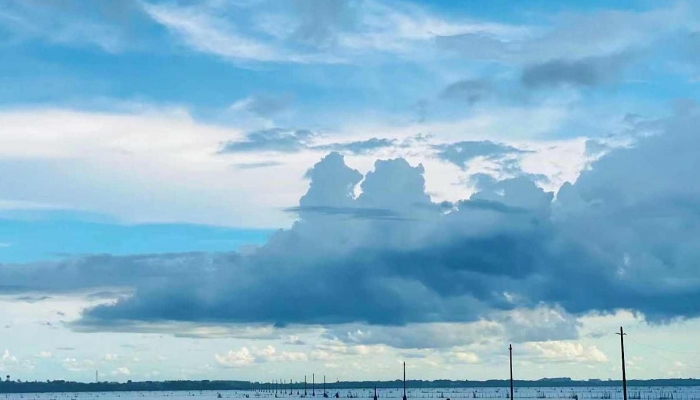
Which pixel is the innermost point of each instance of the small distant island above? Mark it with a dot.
(16, 386)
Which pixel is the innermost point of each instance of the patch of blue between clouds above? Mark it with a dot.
(28, 236)
(504, 11)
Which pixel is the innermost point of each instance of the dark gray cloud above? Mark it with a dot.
(584, 72)
(625, 235)
(96, 271)
(470, 91)
(460, 153)
(274, 139)
(359, 147)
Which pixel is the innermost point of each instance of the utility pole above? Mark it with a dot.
(624, 375)
(304, 385)
(404, 380)
(313, 385)
(97, 377)
(324, 386)
(510, 354)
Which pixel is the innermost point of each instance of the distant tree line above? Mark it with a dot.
(16, 386)
(129, 386)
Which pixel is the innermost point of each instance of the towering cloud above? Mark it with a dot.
(625, 235)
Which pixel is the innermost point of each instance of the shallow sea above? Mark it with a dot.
(580, 393)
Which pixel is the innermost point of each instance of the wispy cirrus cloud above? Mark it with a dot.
(576, 36)
(199, 28)
(312, 31)
(255, 165)
(264, 105)
(274, 139)
(360, 146)
(284, 140)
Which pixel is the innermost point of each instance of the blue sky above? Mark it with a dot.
(173, 172)
(39, 236)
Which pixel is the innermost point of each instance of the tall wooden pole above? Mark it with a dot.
(313, 385)
(510, 354)
(404, 380)
(624, 375)
(304, 385)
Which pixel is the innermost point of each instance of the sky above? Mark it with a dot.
(262, 189)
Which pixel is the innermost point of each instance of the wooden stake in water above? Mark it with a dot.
(624, 375)
(510, 354)
(404, 380)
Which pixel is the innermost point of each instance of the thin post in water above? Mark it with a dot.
(624, 375)
(404, 380)
(510, 356)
